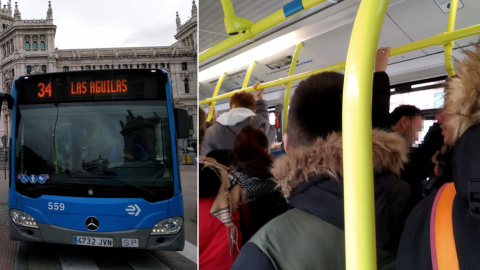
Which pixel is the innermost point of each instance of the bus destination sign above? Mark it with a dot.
(91, 86)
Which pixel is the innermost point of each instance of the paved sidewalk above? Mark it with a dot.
(7, 247)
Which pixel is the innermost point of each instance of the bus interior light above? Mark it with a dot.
(168, 226)
(243, 59)
(22, 219)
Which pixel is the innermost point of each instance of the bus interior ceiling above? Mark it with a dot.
(324, 31)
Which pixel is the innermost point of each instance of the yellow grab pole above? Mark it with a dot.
(360, 247)
(228, 8)
(448, 47)
(233, 24)
(249, 73)
(286, 98)
(217, 88)
(256, 28)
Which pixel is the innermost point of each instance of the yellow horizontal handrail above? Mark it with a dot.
(281, 81)
(255, 29)
(436, 40)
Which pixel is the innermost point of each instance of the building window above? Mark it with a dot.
(125, 66)
(27, 45)
(168, 65)
(87, 68)
(184, 66)
(190, 122)
(106, 67)
(42, 45)
(29, 70)
(143, 66)
(163, 65)
(187, 88)
(35, 46)
(65, 68)
(44, 69)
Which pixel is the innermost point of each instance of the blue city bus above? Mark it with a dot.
(94, 160)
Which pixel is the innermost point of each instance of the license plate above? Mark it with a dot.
(130, 242)
(93, 241)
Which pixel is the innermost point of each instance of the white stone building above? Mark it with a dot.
(28, 47)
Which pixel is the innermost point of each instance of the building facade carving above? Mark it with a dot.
(28, 47)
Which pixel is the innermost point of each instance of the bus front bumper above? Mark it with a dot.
(136, 238)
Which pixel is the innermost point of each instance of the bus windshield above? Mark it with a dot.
(114, 149)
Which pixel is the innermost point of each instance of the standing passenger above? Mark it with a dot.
(252, 163)
(407, 121)
(443, 231)
(218, 241)
(310, 175)
(244, 111)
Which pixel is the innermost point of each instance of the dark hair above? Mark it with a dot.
(222, 156)
(315, 108)
(243, 99)
(251, 156)
(202, 119)
(404, 110)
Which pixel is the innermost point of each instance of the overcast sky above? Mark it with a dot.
(109, 23)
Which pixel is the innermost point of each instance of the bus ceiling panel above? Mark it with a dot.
(323, 17)
(315, 21)
(307, 30)
(320, 51)
(420, 19)
(423, 67)
(212, 17)
(392, 36)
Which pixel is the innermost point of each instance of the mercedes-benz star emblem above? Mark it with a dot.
(92, 223)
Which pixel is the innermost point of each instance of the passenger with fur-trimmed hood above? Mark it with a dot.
(460, 122)
(246, 109)
(311, 234)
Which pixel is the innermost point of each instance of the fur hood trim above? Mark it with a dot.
(462, 97)
(325, 157)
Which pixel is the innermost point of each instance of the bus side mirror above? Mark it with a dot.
(182, 126)
(8, 98)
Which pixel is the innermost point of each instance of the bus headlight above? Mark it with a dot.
(168, 226)
(22, 219)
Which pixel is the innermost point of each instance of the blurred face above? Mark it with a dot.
(412, 128)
